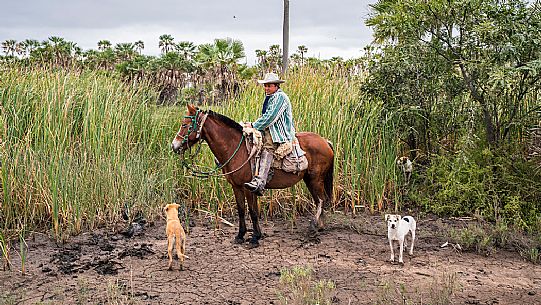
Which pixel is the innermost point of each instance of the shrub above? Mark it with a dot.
(298, 287)
(491, 185)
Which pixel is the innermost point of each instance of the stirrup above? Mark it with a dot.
(259, 191)
(251, 186)
(256, 189)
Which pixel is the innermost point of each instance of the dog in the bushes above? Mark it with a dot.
(397, 229)
(406, 166)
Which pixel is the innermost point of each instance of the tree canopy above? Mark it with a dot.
(487, 50)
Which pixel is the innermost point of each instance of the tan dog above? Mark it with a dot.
(175, 231)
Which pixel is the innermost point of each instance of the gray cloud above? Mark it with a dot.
(323, 26)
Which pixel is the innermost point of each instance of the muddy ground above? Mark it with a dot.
(106, 267)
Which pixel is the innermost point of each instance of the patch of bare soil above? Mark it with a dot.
(106, 267)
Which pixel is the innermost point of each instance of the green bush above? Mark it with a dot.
(491, 185)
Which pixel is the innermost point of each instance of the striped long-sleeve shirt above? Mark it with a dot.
(278, 117)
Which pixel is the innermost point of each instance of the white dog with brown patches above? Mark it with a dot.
(397, 229)
(406, 166)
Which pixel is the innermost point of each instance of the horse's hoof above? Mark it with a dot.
(313, 227)
(238, 240)
(252, 245)
(314, 239)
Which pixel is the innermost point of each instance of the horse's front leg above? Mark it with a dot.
(254, 215)
(241, 208)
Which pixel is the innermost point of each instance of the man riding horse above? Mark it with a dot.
(276, 126)
(225, 138)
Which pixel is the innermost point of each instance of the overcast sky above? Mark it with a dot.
(326, 27)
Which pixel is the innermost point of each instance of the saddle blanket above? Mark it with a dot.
(288, 157)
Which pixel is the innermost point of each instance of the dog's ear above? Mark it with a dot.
(399, 217)
(386, 217)
(165, 208)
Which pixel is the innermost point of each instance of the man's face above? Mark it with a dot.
(270, 88)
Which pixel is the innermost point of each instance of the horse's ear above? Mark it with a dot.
(191, 108)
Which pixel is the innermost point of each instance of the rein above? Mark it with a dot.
(195, 125)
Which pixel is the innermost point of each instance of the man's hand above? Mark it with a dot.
(246, 124)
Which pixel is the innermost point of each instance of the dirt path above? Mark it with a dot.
(101, 268)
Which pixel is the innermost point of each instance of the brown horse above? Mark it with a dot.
(226, 141)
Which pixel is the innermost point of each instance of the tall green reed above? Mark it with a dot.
(4, 251)
(76, 147)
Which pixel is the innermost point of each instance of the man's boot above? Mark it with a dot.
(257, 185)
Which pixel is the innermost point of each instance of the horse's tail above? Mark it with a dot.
(329, 177)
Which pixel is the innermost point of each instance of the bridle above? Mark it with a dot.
(197, 126)
(193, 127)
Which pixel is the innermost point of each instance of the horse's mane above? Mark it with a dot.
(227, 121)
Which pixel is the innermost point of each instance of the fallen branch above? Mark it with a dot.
(219, 218)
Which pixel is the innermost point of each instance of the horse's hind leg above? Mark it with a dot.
(317, 190)
(241, 208)
(254, 214)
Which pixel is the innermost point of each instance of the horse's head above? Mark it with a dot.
(190, 130)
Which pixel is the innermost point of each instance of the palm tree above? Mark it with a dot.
(59, 48)
(229, 52)
(221, 56)
(313, 62)
(91, 58)
(285, 55)
(262, 59)
(106, 59)
(166, 43)
(104, 44)
(336, 60)
(42, 53)
(135, 69)
(9, 47)
(29, 45)
(19, 48)
(71, 52)
(169, 75)
(186, 49)
(295, 59)
(274, 57)
(139, 46)
(125, 51)
(302, 49)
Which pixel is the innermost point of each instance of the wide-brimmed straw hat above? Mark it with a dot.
(271, 78)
